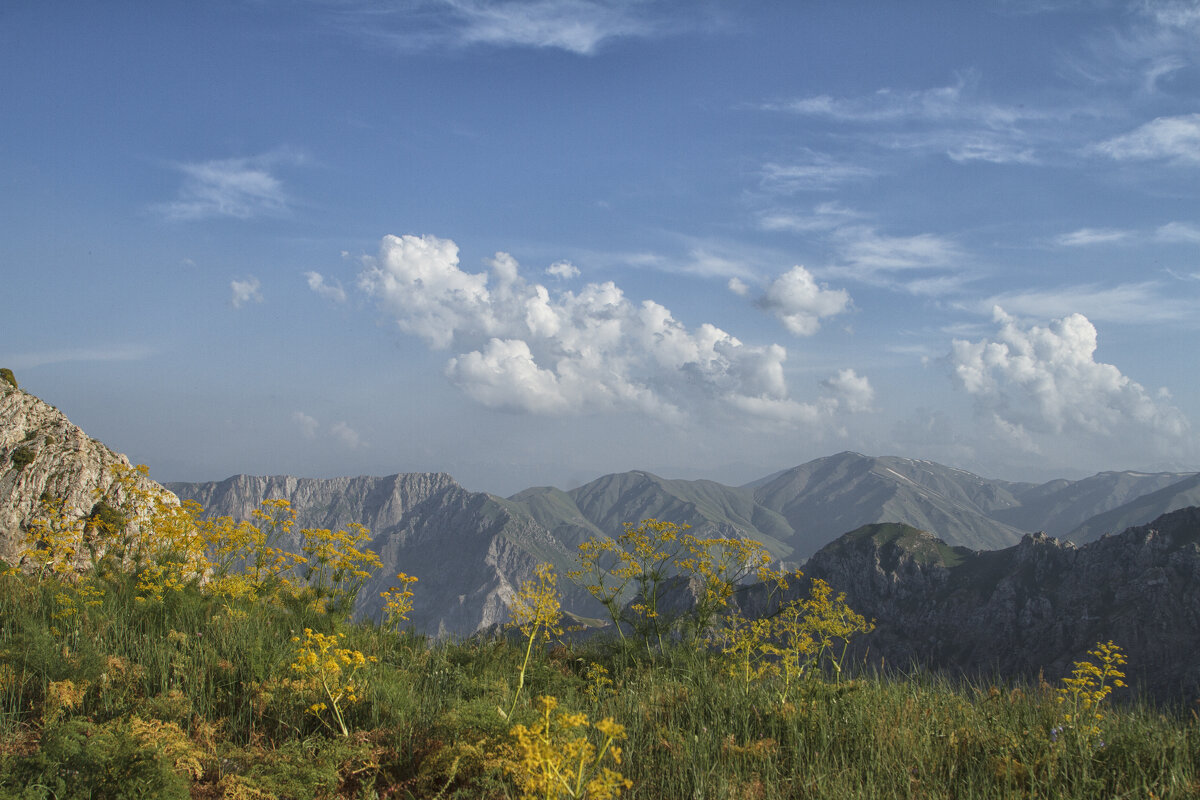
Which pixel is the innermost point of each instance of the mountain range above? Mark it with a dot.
(481, 546)
(948, 562)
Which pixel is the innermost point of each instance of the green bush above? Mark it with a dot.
(6, 374)
(22, 457)
(105, 517)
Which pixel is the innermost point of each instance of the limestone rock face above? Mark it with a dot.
(41, 452)
(377, 503)
(469, 550)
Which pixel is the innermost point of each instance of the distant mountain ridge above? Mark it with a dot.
(1037, 606)
(472, 549)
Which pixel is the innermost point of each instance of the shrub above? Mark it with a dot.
(6, 374)
(22, 457)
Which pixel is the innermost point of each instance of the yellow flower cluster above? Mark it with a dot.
(336, 565)
(806, 634)
(536, 612)
(397, 601)
(1090, 683)
(332, 672)
(641, 560)
(555, 758)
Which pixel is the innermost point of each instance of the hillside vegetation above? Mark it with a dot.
(153, 653)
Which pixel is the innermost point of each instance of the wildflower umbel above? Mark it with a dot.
(1090, 683)
(558, 760)
(332, 672)
(536, 612)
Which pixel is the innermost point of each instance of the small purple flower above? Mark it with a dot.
(1054, 732)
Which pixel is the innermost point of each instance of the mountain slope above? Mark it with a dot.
(825, 498)
(42, 453)
(1140, 510)
(1059, 507)
(1036, 606)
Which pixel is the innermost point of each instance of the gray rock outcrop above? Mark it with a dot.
(43, 454)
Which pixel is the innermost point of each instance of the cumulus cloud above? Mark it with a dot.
(241, 188)
(564, 270)
(333, 291)
(1176, 139)
(738, 287)
(800, 303)
(852, 389)
(307, 425)
(526, 349)
(1031, 379)
(346, 435)
(245, 291)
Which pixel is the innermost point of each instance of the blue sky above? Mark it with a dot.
(532, 242)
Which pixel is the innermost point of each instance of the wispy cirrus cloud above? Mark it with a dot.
(581, 27)
(955, 102)
(241, 188)
(1144, 303)
(97, 353)
(1178, 232)
(1090, 236)
(1174, 139)
(951, 120)
(921, 264)
(812, 171)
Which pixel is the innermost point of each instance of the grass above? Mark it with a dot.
(190, 697)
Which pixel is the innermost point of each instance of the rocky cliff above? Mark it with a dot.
(42, 453)
(470, 551)
(1032, 608)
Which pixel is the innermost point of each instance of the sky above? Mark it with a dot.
(532, 242)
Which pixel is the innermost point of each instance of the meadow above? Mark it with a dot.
(146, 651)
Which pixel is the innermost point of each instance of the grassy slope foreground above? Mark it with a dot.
(127, 676)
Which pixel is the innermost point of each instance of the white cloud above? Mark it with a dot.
(1046, 380)
(524, 348)
(1173, 138)
(346, 435)
(946, 119)
(1178, 232)
(852, 389)
(1090, 236)
(119, 352)
(824, 217)
(245, 291)
(241, 188)
(563, 270)
(308, 425)
(577, 26)
(1144, 303)
(800, 303)
(942, 103)
(915, 264)
(814, 172)
(738, 287)
(333, 291)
